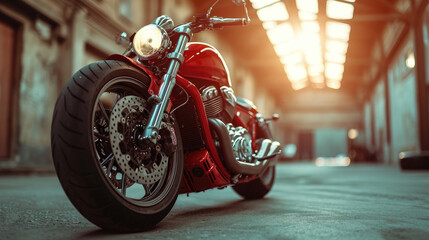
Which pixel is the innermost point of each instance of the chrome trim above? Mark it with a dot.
(260, 119)
(165, 44)
(237, 167)
(209, 93)
(169, 80)
(228, 93)
(165, 22)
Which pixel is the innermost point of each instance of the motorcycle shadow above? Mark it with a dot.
(228, 208)
(184, 218)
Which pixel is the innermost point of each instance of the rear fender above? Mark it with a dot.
(155, 82)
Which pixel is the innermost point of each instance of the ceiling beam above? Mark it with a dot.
(386, 17)
(270, 4)
(387, 5)
(321, 18)
(296, 23)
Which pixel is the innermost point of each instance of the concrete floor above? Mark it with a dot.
(307, 202)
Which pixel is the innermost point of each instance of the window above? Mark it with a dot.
(125, 9)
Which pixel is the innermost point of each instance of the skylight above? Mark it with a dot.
(258, 4)
(337, 30)
(339, 10)
(308, 5)
(280, 33)
(308, 60)
(275, 12)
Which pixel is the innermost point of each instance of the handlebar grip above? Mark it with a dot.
(220, 22)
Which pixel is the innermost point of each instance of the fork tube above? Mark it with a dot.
(169, 80)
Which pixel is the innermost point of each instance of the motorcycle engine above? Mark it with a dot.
(241, 143)
(219, 103)
(222, 106)
(212, 100)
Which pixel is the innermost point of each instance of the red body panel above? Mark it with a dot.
(201, 173)
(202, 116)
(204, 62)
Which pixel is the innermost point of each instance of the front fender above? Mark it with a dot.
(155, 82)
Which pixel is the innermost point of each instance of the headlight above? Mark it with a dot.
(150, 42)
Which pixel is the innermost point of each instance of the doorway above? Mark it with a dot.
(7, 60)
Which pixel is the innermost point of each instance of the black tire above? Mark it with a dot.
(258, 188)
(78, 154)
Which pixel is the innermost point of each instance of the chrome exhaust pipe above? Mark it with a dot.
(267, 155)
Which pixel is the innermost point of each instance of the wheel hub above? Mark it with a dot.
(142, 162)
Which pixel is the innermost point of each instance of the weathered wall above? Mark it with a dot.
(401, 96)
(54, 39)
(38, 93)
(403, 99)
(380, 145)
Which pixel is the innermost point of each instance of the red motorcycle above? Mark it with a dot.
(132, 132)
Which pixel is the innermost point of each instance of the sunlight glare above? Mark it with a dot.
(335, 46)
(333, 84)
(292, 58)
(257, 4)
(318, 80)
(269, 25)
(286, 48)
(334, 71)
(281, 33)
(299, 85)
(307, 5)
(334, 57)
(306, 16)
(315, 70)
(339, 10)
(337, 30)
(310, 26)
(275, 12)
(296, 72)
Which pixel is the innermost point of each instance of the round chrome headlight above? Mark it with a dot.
(150, 42)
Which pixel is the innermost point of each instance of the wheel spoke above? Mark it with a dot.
(117, 97)
(98, 135)
(109, 168)
(107, 159)
(103, 110)
(124, 184)
(147, 188)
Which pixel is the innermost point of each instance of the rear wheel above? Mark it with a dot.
(114, 178)
(259, 187)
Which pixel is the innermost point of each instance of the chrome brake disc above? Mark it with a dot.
(142, 164)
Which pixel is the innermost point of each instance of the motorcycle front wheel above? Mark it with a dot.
(114, 177)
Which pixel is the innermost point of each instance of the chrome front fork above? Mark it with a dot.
(169, 80)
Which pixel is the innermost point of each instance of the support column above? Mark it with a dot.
(78, 39)
(420, 68)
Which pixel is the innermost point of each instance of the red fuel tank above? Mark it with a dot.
(204, 62)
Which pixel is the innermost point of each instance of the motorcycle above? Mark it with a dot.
(132, 132)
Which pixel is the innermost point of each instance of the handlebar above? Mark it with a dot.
(220, 22)
(203, 22)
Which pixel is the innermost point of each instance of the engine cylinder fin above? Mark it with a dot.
(213, 106)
